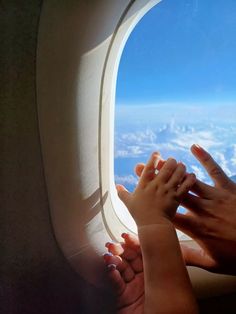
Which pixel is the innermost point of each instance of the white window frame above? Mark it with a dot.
(79, 48)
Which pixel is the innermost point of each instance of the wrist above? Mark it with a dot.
(160, 221)
(161, 232)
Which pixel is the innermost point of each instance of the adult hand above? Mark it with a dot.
(125, 269)
(211, 219)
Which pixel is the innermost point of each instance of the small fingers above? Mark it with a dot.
(177, 176)
(139, 169)
(166, 171)
(148, 172)
(123, 194)
(186, 185)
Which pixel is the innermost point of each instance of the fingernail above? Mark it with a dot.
(111, 267)
(197, 147)
(107, 254)
(124, 235)
(109, 243)
(160, 164)
(199, 150)
(156, 161)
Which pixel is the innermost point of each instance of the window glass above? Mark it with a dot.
(176, 86)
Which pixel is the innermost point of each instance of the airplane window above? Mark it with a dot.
(176, 86)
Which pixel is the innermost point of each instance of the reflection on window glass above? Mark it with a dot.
(176, 86)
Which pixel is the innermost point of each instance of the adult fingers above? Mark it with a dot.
(185, 186)
(197, 257)
(193, 203)
(123, 250)
(187, 224)
(132, 252)
(115, 248)
(129, 253)
(203, 190)
(213, 169)
(122, 266)
(132, 241)
(114, 260)
(116, 280)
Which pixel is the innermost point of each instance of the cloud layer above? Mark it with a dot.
(175, 140)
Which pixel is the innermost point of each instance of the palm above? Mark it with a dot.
(127, 277)
(132, 298)
(216, 220)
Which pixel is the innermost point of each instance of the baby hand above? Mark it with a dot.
(157, 196)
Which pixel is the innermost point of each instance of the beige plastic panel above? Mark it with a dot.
(75, 39)
(80, 43)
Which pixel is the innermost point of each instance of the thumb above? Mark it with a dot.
(197, 257)
(123, 194)
(139, 169)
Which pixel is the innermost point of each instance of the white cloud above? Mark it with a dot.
(168, 138)
(222, 161)
(233, 158)
(204, 138)
(175, 140)
(199, 172)
(129, 179)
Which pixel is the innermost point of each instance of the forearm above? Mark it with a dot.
(167, 285)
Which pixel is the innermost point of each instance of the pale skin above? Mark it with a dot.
(126, 274)
(210, 220)
(153, 206)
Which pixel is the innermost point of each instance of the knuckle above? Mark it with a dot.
(215, 171)
(182, 167)
(162, 190)
(171, 162)
(207, 158)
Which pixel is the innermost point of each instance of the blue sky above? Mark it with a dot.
(181, 51)
(176, 86)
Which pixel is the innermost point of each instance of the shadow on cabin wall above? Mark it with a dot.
(34, 276)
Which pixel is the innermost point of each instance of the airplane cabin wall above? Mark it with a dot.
(34, 275)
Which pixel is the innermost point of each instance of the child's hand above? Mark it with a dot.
(125, 269)
(157, 196)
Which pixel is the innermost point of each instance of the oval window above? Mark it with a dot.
(176, 86)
